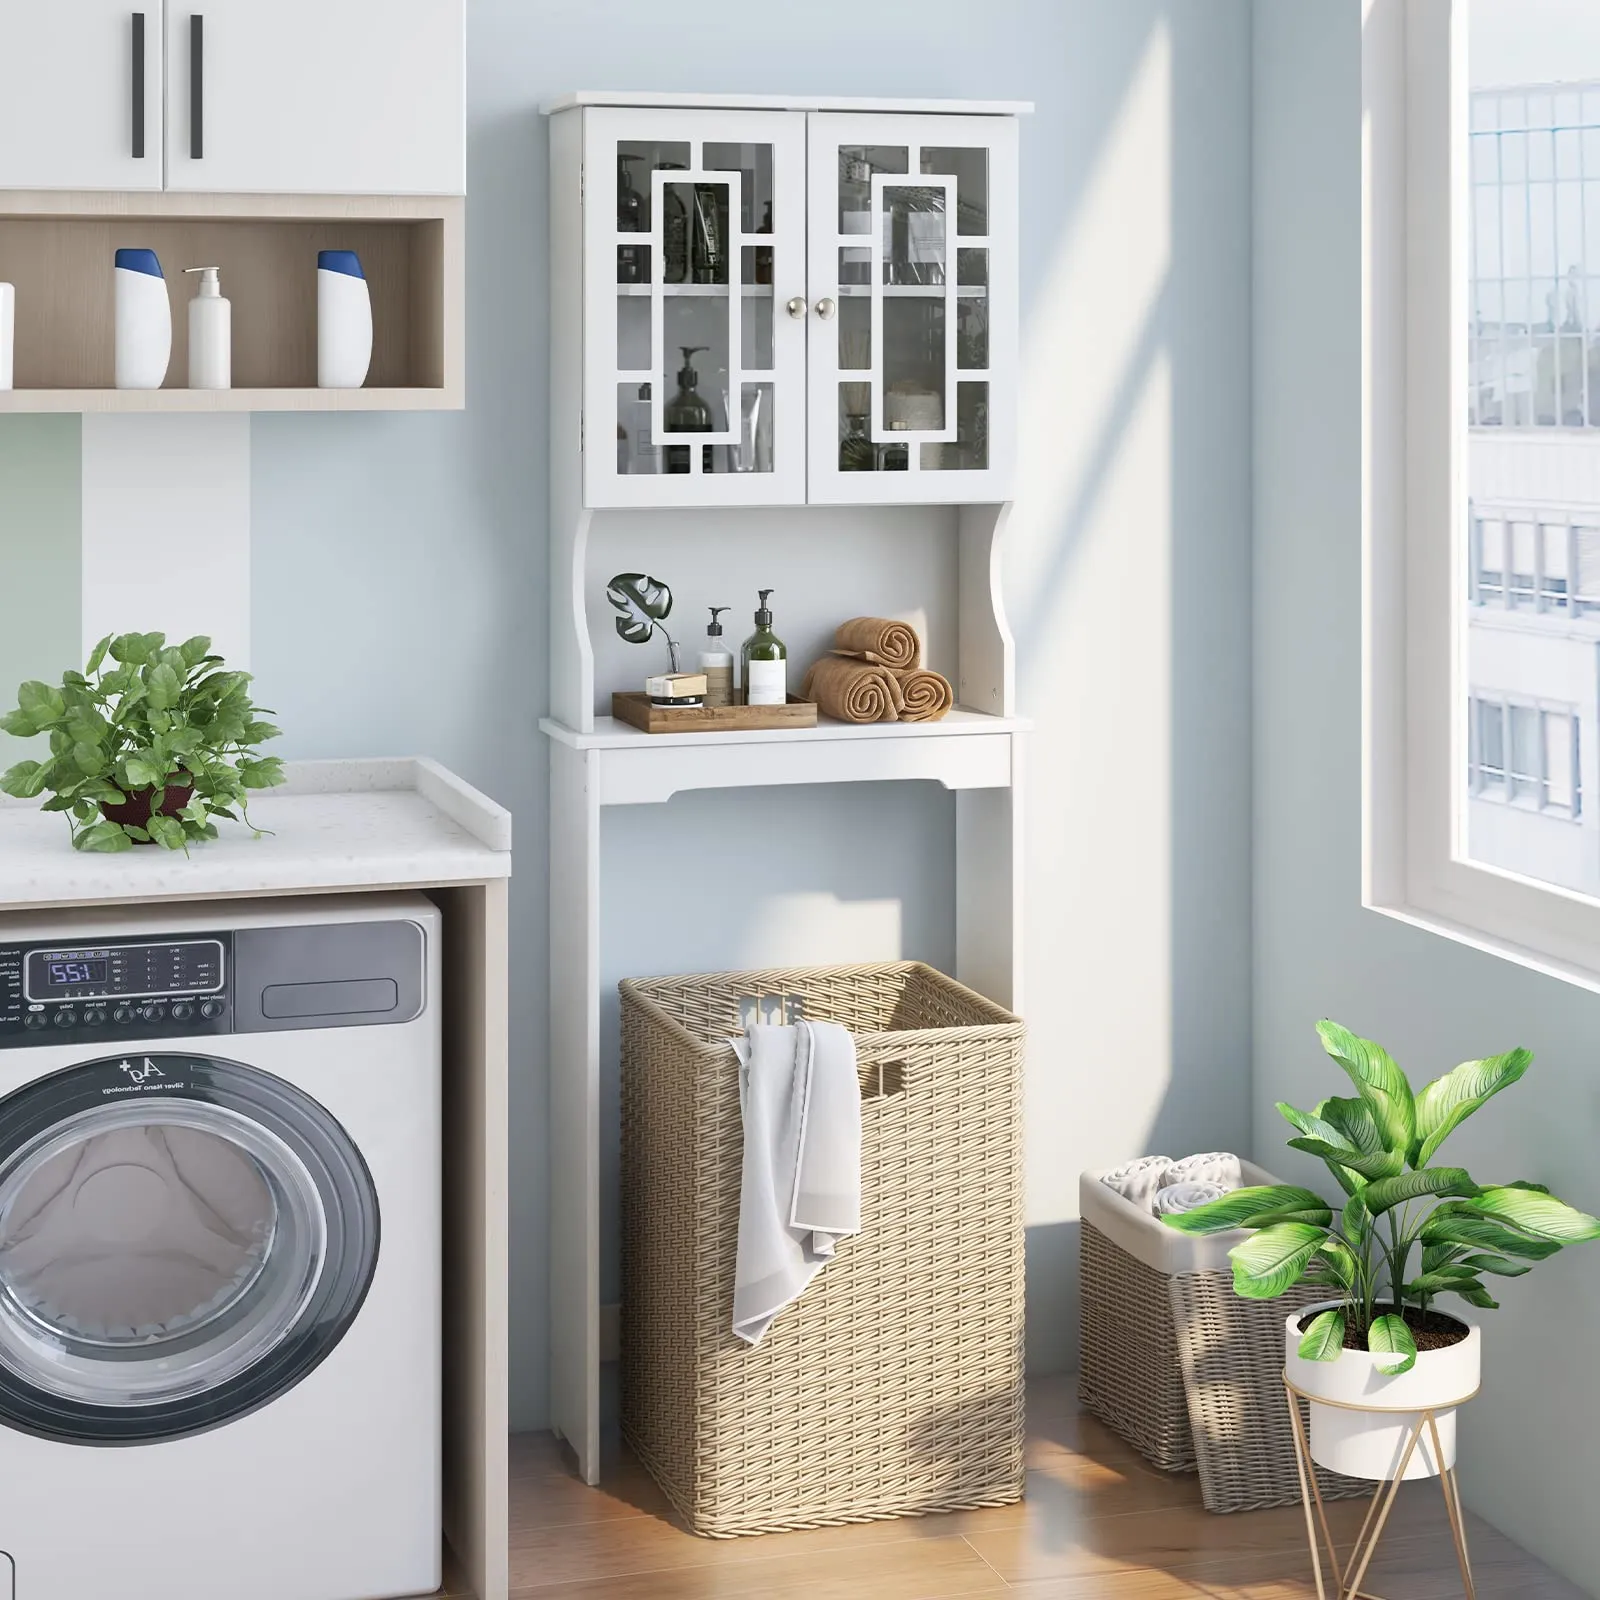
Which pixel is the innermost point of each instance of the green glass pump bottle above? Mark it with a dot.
(765, 660)
(686, 411)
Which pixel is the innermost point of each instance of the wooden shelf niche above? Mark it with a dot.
(60, 250)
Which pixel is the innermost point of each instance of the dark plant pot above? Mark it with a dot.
(136, 808)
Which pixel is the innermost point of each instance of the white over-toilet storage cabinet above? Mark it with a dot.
(844, 273)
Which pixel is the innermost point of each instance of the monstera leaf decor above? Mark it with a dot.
(642, 604)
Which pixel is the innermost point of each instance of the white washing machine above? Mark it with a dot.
(219, 1252)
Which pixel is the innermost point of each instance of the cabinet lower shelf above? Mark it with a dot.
(269, 399)
(967, 750)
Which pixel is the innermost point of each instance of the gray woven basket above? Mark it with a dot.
(1129, 1374)
(1231, 1350)
(1189, 1373)
(893, 1386)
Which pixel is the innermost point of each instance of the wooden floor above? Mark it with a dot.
(1098, 1523)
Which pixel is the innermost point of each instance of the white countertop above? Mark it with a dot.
(334, 825)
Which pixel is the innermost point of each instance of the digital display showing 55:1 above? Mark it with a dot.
(64, 972)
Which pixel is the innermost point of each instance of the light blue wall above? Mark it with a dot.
(400, 561)
(1531, 1447)
(41, 563)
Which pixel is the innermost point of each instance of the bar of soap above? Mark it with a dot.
(674, 688)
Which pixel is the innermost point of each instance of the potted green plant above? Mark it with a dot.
(1380, 1338)
(148, 744)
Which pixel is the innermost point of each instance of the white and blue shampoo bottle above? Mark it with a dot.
(344, 321)
(144, 321)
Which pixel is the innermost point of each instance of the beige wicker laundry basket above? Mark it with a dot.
(893, 1386)
(1190, 1374)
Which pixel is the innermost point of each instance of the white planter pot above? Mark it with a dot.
(1366, 1444)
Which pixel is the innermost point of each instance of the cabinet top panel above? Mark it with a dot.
(787, 102)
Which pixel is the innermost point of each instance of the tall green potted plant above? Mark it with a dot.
(149, 744)
(1408, 1233)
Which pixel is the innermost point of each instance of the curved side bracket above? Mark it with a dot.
(571, 654)
(986, 657)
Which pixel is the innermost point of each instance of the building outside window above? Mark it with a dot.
(1532, 569)
(1526, 755)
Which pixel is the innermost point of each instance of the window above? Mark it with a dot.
(1482, 428)
(1524, 754)
(1534, 243)
(1520, 559)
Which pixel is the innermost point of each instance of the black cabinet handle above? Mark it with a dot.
(138, 86)
(197, 86)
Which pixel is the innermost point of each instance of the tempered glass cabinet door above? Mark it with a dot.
(913, 276)
(694, 347)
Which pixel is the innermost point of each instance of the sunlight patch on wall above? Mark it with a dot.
(1090, 581)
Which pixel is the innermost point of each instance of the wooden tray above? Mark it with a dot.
(636, 710)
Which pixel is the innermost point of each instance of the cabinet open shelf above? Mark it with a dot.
(610, 734)
(966, 751)
(59, 249)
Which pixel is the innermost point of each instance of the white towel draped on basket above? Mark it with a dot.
(1173, 1199)
(801, 1189)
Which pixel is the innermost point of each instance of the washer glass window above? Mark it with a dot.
(175, 1256)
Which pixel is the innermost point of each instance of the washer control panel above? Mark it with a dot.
(126, 988)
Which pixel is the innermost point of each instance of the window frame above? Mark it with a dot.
(1415, 691)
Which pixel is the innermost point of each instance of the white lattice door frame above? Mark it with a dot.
(957, 449)
(769, 450)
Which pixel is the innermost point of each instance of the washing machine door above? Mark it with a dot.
(182, 1239)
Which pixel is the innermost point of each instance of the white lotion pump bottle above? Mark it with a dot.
(144, 321)
(210, 334)
(344, 321)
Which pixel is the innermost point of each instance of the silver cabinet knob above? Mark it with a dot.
(796, 307)
(826, 308)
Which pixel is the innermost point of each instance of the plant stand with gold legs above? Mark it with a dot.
(1347, 1579)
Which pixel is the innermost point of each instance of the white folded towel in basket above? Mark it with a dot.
(801, 1187)
(1173, 1199)
(1138, 1181)
(1216, 1166)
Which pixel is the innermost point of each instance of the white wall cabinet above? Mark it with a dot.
(234, 96)
(82, 97)
(842, 285)
(316, 97)
(248, 135)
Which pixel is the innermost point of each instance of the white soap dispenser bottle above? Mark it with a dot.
(144, 321)
(716, 661)
(210, 334)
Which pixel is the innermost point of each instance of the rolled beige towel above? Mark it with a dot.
(852, 690)
(880, 640)
(927, 695)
